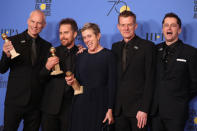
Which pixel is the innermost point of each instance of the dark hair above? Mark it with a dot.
(92, 26)
(127, 13)
(71, 22)
(171, 14)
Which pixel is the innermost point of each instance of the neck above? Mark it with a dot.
(71, 45)
(171, 42)
(126, 40)
(33, 36)
(99, 48)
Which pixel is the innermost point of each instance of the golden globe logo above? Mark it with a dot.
(44, 6)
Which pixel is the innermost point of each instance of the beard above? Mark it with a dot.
(66, 42)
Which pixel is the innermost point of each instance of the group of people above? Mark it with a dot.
(134, 86)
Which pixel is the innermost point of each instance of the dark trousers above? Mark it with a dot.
(162, 124)
(13, 115)
(124, 123)
(57, 122)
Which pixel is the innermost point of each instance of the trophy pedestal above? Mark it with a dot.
(14, 53)
(56, 70)
(80, 91)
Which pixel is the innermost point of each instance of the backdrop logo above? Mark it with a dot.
(118, 6)
(3, 84)
(195, 9)
(192, 122)
(9, 32)
(154, 36)
(44, 5)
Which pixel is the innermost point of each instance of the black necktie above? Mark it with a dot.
(124, 57)
(33, 51)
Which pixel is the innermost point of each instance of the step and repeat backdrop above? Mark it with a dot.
(14, 15)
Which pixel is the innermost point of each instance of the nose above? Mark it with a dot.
(35, 24)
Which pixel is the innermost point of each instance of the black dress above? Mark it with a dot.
(96, 73)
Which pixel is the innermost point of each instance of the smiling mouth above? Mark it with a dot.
(169, 33)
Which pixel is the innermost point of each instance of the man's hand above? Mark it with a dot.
(109, 117)
(7, 47)
(141, 118)
(51, 62)
(80, 49)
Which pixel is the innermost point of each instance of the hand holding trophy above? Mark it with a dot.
(13, 51)
(75, 84)
(56, 69)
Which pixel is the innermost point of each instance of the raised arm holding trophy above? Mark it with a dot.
(56, 68)
(12, 52)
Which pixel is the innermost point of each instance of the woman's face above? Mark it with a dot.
(91, 40)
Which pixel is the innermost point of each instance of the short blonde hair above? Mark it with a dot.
(92, 26)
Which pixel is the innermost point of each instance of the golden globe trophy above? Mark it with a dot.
(13, 51)
(56, 69)
(77, 88)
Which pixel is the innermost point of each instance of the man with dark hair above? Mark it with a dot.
(57, 98)
(24, 89)
(135, 67)
(176, 78)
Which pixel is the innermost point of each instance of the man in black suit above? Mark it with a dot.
(176, 78)
(58, 95)
(135, 67)
(24, 89)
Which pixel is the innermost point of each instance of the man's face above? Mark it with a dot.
(127, 27)
(171, 30)
(67, 35)
(36, 23)
(91, 40)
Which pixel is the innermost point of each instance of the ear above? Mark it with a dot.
(99, 36)
(44, 24)
(179, 31)
(136, 25)
(75, 34)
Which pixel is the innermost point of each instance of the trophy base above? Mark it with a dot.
(14, 55)
(57, 72)
(80, 91)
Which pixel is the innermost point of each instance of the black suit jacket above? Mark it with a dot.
(135, 84)
(56, 90)
(24, 86)
(177, 84)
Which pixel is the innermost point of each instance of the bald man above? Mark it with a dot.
(24, 89)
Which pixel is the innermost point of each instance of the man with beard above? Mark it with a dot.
(58, 95)
(24, 89)
(176, 78)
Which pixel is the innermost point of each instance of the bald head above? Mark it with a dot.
(40, 13)
(36, 23)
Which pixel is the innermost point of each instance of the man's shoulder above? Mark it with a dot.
(189, 49)
(144, 41)
(45, 42)
(117, 43)
(19, 36)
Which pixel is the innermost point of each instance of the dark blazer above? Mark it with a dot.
(135, 84)
(177, 84)
(56, 90)
(23, 83)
